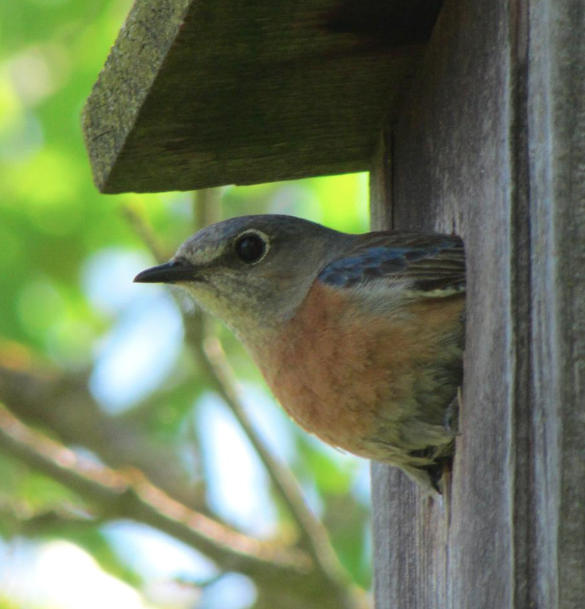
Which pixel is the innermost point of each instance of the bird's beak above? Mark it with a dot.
(170, 272)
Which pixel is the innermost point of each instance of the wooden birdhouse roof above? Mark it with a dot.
(200, 93)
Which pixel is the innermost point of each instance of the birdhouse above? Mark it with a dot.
(470, 117)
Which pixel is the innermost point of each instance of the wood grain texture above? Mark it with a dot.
(490, 143)
(200, 93)
(556, 122)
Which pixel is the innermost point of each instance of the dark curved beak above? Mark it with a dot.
(170, 272)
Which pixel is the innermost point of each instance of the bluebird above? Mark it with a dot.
(359, 337)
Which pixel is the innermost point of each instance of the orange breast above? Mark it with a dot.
(337, 370)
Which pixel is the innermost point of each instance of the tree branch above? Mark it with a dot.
(63, 403)
(118, 495)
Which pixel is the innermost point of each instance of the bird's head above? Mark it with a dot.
(252, 272)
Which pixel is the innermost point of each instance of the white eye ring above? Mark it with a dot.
(251, 246)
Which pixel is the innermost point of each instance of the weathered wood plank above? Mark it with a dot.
(491, 143)
(556, 124)
(200, 93)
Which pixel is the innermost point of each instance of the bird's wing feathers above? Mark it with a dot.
(426, 263)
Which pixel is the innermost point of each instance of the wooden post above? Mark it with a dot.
(490, 143)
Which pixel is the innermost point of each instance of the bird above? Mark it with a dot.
(360, 337)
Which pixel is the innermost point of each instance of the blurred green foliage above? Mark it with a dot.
(54, 225)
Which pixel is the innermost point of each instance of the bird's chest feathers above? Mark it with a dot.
(331, 366)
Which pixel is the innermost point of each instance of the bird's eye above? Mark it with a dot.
(250, 247)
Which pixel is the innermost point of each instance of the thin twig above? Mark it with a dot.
(134, 218)
(315, 537)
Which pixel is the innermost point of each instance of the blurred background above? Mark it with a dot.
(142, 461)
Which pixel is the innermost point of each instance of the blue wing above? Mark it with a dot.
(422, 262)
